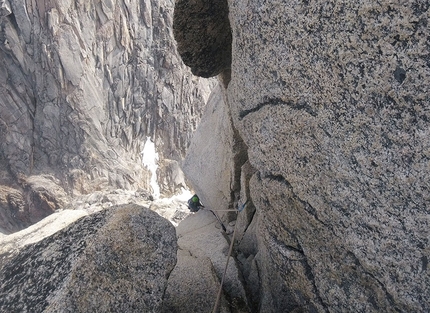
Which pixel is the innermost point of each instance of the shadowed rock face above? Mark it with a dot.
(82, 86)
(202, 31)
(332, 100)
(116, 260)
(38, 197)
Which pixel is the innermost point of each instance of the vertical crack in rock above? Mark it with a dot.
(239, 159)
(368, 284)
(311, 210)
(289, 250)
(388, 295)
(32, 112)
(202, 31)
(309, 273)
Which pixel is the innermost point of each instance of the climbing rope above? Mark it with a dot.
(241, 206)
(225, 269)
(219, 220)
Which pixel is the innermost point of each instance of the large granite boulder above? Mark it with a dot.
(12, 244)
(202, 30)
(116, 260)
(332, 101)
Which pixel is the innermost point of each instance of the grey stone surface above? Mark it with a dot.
(215, 155)
(332, 101)
(82, 86)
(116, 260)
(37, 197)
(192, 293)
(202, 257)
(5, 8)
(12, 244)
(329, 101)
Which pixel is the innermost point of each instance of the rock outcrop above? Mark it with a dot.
(209, 53)
(82, 86)
(202, 257)
(318, 133)
(12, 244)
(196, 292)
(331, 100)
(33, 199)
(116, 260)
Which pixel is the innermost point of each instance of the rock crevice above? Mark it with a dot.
(277, 102)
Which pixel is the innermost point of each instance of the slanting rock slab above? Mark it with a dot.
(11, 244)
(116, 260)
(212, 164)
(202, 257)
(193, 285)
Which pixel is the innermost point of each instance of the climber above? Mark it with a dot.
(194, 204)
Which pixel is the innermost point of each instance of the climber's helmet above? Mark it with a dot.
(195, 199)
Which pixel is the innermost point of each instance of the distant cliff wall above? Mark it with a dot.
(82, 85)
(331, 99)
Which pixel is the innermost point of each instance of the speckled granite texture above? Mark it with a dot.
(116, 260)
(332, 100)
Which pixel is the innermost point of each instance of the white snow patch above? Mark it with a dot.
(150, 160)
(175, 208)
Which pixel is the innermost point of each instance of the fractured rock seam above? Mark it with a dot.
(311, 210)
(278, 102)
(304, 261)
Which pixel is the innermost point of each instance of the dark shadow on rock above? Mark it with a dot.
(202, 31)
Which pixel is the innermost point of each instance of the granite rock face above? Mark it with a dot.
(82, 86)
(37, 197)
(332, 100)
(116, 260)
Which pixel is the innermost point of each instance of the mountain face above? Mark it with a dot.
(331, 102)
(318, 132)
(83, 84)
